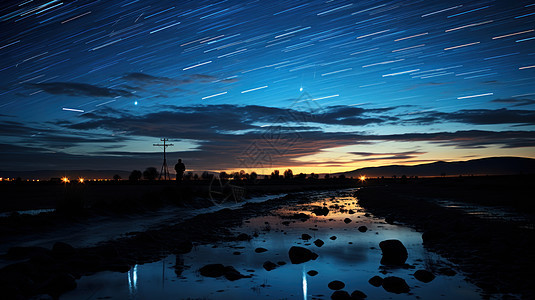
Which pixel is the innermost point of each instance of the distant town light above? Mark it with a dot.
(81, 180)
(65, 180)
(362, 178)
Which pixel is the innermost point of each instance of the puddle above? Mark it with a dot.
(353, 258)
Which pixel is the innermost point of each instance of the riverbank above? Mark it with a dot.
(54, 271)
(496, 254)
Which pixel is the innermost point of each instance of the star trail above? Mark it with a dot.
(318, 86)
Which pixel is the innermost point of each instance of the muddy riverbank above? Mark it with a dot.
(496, 254)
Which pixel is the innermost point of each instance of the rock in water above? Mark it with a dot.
(212, 270)
(340, 295)
(424, 276)
(321, 211)
(233, 274)
(363, 228)
(358, 295)
(336, 285)
(260, 250)
(347, 220)
(394, 253)
(312, 273)
(306, 236)
(395, 285)
(217, 270)
(300, 255)
(376, 281)
(243, 237)
(268, 265)
(318, 243)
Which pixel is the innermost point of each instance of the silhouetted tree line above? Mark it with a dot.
(151, 173)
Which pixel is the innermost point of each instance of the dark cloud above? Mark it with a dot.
(21, 158)
(149, 79)
(203, 77)
(185, 79)
(79, 89)
(189, 122)
(52, 138)
(390, 155)
(350, 115)
(515, 102)
(231, 136)
(479, 117)
(467, 139)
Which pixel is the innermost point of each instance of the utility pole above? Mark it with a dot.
(164, 169)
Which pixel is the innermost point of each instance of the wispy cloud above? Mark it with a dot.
(76, 89)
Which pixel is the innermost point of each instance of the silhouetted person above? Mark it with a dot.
(179, 168)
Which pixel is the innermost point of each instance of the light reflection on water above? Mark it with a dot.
(353, 258)
(304, 284)
(132, 281)
(32, 212)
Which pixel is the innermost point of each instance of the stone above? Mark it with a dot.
(306, 236)
(424, 276)
(341, 295)
(394, 253)
(336, 285)
(363, 228)
(321, 211)
(376, 281)
(212, 270)
(347, 220)
(243, 237)
(232, 274)
(268, 265)
(395, 285)
(319, 243)
(357, 295)
(260, 250)
(333, 237)
(312, 273)
(300, 255)
(217, 270)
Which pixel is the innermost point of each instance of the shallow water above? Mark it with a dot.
(353, 258)
(501, 213)
(97, 229)
(32, 212)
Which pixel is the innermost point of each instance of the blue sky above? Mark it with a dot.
(313, 85)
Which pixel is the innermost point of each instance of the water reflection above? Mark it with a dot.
(353, 258)
(304, 284)
(132, 282)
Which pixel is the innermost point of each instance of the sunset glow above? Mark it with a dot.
(321, 87)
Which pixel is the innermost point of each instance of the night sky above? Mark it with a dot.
(317, 86)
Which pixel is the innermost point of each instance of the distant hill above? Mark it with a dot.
(72, 174)
(483, 166)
